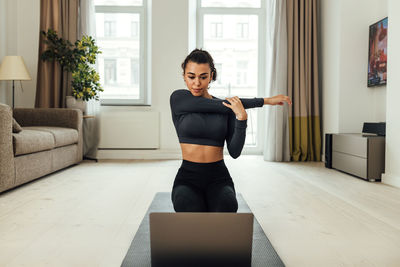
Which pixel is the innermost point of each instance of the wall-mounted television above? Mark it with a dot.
(377, 53)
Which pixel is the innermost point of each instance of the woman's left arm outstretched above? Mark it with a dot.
(277, 100)
(236, 135)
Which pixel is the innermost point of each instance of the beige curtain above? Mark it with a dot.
(276, 138)
(53, 85)
(304, 114)
(91, 126)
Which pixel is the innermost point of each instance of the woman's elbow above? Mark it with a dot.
(234, 154)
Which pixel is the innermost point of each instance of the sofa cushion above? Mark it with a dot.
(29, 141)
(16, 128)
(62, 136)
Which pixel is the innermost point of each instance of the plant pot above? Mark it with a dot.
(71, 102)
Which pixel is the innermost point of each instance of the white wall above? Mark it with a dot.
(21, 34)
(357, 102)
(392, 169)
(170, 47)
(347, 101)
(3, 27)
(27, 26)
(330, 64)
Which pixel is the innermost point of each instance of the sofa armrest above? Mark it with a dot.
(7, 171)
(59, 117)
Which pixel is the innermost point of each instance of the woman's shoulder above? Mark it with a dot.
(179, 92)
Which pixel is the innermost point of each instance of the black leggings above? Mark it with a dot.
(204, 187)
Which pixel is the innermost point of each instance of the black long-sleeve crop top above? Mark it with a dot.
(204, 121)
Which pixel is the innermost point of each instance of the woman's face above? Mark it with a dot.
(197, 77)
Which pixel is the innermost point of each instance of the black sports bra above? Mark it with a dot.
(204, 121)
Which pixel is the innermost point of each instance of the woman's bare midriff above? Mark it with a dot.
(201, 153)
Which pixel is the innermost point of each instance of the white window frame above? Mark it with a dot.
(261, 13)
(144, 52)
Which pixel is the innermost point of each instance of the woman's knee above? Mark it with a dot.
(223, 200)
(227, 204)
(185, 199)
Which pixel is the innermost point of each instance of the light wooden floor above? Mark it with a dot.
(87, 215)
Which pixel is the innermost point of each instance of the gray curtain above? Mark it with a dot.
(276, 139)
(91, 124)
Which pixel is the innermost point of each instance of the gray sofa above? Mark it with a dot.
(51, 139)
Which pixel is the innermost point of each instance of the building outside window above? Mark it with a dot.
(241, 72)
(134, 29)
(110, 28)
(216, 29)
(218, 67)
(242, 30)
(239, 46)
(110, 71)
(120, 35)
(135, 71)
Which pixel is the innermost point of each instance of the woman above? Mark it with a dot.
(203, 122)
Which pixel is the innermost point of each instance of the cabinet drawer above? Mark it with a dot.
(350, 144)
(350, 164)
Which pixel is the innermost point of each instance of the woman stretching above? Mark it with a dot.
(203, 122)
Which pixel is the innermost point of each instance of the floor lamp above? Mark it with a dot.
(13, 69)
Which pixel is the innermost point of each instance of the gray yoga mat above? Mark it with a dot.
(138, 254)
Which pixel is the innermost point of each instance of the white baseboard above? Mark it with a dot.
(391, 180)
(138, 154)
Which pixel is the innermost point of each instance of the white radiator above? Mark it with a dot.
(124, 129)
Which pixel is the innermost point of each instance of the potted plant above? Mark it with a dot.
(78, 59)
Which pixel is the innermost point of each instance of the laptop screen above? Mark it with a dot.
(201, 239)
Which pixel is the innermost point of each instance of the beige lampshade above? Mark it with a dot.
(13, 68)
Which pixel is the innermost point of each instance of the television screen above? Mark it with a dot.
(377, 55)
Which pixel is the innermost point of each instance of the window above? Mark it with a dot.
(231, 3)
(233, 32)
(218, 67)
(242, 30)
(109, 28)
(110, 71)
(216, 29)
(119, 2)
(134, 29)
(120, 35)
(135, 72)
(241, 72)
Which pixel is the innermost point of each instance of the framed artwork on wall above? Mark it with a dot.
(377, 53)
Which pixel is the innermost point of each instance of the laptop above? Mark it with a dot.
(201, 239)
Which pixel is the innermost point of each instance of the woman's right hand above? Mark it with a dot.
(237, 107)
(277, 100)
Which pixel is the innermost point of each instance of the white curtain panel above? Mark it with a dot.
(87, 20)
(91, 125)
(276, 142)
